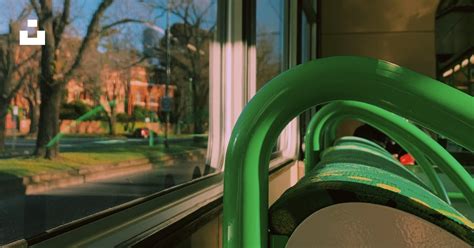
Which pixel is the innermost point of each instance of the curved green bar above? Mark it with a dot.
(373, 81)
(370, 157)
(411, 138)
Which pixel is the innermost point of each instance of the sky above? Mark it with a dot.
(270, 22)
(82, 11)
(269, 17)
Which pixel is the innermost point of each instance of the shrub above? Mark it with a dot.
(139, 113)
(123, 117)
(73, 110)
(100, 116)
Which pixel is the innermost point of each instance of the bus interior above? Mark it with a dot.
(236, 123)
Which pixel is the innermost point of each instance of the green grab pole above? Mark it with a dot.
(151, 141)
(394, 126)
(369, 80)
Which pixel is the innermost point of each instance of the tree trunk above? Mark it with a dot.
(34, 116)
(2, 134)
(197, 111)
(194, 106)
(112, 120)
(49, 121)
(50, 88)
(177, 126)
(3, 123)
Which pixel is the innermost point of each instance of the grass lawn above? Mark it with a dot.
(27, 166)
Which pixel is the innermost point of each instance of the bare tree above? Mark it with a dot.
(115, 74)
(31, 93)
(14, 69)
(114, 89)
(53, 79)
(189, 57)
(268, 66)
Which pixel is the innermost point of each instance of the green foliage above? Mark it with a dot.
(99, 116)
(140, 113)
(28, 166)
(123, 117)
(73, 110)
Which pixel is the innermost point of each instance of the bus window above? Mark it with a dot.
(269, 39)
(112, 108)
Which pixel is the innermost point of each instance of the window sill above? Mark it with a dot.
(137, 223)
(137, 220)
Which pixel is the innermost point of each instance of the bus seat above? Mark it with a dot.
(353, 140)
(357, 224)
(356, 151)
(336, 183)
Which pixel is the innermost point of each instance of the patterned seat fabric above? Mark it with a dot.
(337, 182)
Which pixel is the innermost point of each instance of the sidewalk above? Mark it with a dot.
(61, 178)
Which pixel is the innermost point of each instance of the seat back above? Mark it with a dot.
(336, 183)
(372, 81)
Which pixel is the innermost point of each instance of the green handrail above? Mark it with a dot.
(428, 102)
(410, 138)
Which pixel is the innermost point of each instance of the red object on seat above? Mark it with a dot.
(407, 159)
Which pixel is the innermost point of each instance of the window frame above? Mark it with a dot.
(311, 9)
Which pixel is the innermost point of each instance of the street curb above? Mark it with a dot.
(48, 181)
(76, 177)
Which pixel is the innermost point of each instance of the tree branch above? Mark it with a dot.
(176, 60)
(91, 35)
(62, 22)
(18, 86)
(24, 62)
(135, 63)
(24, 13)
(36, 7)
(123, 21)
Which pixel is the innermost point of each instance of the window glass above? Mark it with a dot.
(113, 107)
(269, 43)
(305, 46)
(454, 43)
(269, 39)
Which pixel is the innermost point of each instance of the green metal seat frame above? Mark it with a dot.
(321, 133)
(368, 80)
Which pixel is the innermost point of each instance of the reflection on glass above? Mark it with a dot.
(269, 42)
(83, 119)
(305, 39)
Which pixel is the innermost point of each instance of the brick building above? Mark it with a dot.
(128, 88)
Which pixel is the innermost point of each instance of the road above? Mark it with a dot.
(26, 215)
(24, 146)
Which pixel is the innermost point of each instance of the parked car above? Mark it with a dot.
(142, 133)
